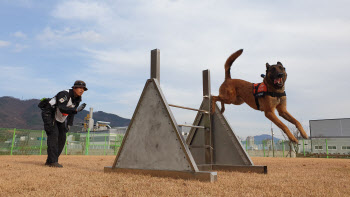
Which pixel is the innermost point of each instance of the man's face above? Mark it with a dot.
(78, 91)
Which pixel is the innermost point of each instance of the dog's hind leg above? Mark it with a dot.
(282, 111)
(222, 107)
(272, 116)
(213, 103)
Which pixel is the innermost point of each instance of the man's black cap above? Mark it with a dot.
(79, 84)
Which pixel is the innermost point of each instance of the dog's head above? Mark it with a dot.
(276, 75)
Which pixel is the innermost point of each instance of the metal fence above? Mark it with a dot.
(34, 142)
(315, 147)
(267, 148)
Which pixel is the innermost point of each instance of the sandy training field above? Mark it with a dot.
(84, 176)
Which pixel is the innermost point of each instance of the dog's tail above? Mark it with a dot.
(229, 62)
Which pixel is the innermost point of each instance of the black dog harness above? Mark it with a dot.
(260, 90)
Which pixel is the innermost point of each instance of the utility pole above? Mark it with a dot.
(273, 149)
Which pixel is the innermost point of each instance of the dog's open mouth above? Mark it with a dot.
(278, 82)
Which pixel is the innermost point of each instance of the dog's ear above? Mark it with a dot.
(279, 63)
(267, 66)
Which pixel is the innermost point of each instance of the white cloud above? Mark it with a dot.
(68, 36)
(116, 60)
(18, 48)
(23, 81)
(19, 34)
(4, 43)
(82, 10)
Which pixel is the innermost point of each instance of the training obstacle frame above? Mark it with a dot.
(154, 145)
(222, 149)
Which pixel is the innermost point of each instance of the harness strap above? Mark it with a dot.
(257, 95)
(275, 94)
(261, 94)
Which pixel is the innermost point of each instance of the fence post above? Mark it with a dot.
(65, 146)
(304, 147)
(264, 147)
(283, 147)
(87, 142)
(327, 148)
(104, 148)
(41, 141)
(13, 139)
(115, 144)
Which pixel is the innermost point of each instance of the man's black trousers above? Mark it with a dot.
(56, 138)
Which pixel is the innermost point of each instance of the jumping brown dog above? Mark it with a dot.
(237, 91)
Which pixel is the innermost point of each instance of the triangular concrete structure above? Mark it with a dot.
(217, 147)
(153, 143)
(153, 140)
(226, 147)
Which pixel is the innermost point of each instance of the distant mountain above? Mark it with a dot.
(259, 138)
(25, 114)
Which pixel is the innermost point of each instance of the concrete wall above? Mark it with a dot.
(337, 142)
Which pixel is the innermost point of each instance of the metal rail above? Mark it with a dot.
(198, 127)
(204, 146)
(206, 112)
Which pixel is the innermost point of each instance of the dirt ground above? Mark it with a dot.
(84, 176)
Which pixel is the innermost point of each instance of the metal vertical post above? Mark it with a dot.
(311, 151)
(206, 84)
(264, 147)
(208, 135)
(13, 139)
(155, 64)
(115, 144)
(87, 142)
(104, 148)
(304, 147)
(273, 147)
(65, 146)
(41, 141)
(327, 148)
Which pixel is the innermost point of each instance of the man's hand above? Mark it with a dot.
(81, 107)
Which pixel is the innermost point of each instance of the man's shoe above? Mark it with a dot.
(55, 165)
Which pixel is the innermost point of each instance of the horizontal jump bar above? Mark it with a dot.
(198, 127)
(189, 108)
(204, 146)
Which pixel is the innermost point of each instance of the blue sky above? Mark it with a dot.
(45, 46)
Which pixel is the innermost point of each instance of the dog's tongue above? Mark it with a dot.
(279, 80)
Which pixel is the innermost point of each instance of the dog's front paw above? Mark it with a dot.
(302, 132)
(304, 135)
(293, 139)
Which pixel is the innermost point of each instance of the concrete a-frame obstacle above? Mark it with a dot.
(154, 145)
(222, 149)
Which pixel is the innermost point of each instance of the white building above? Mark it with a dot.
(330, 136)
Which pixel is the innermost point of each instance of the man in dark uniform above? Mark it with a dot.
(58, 115)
